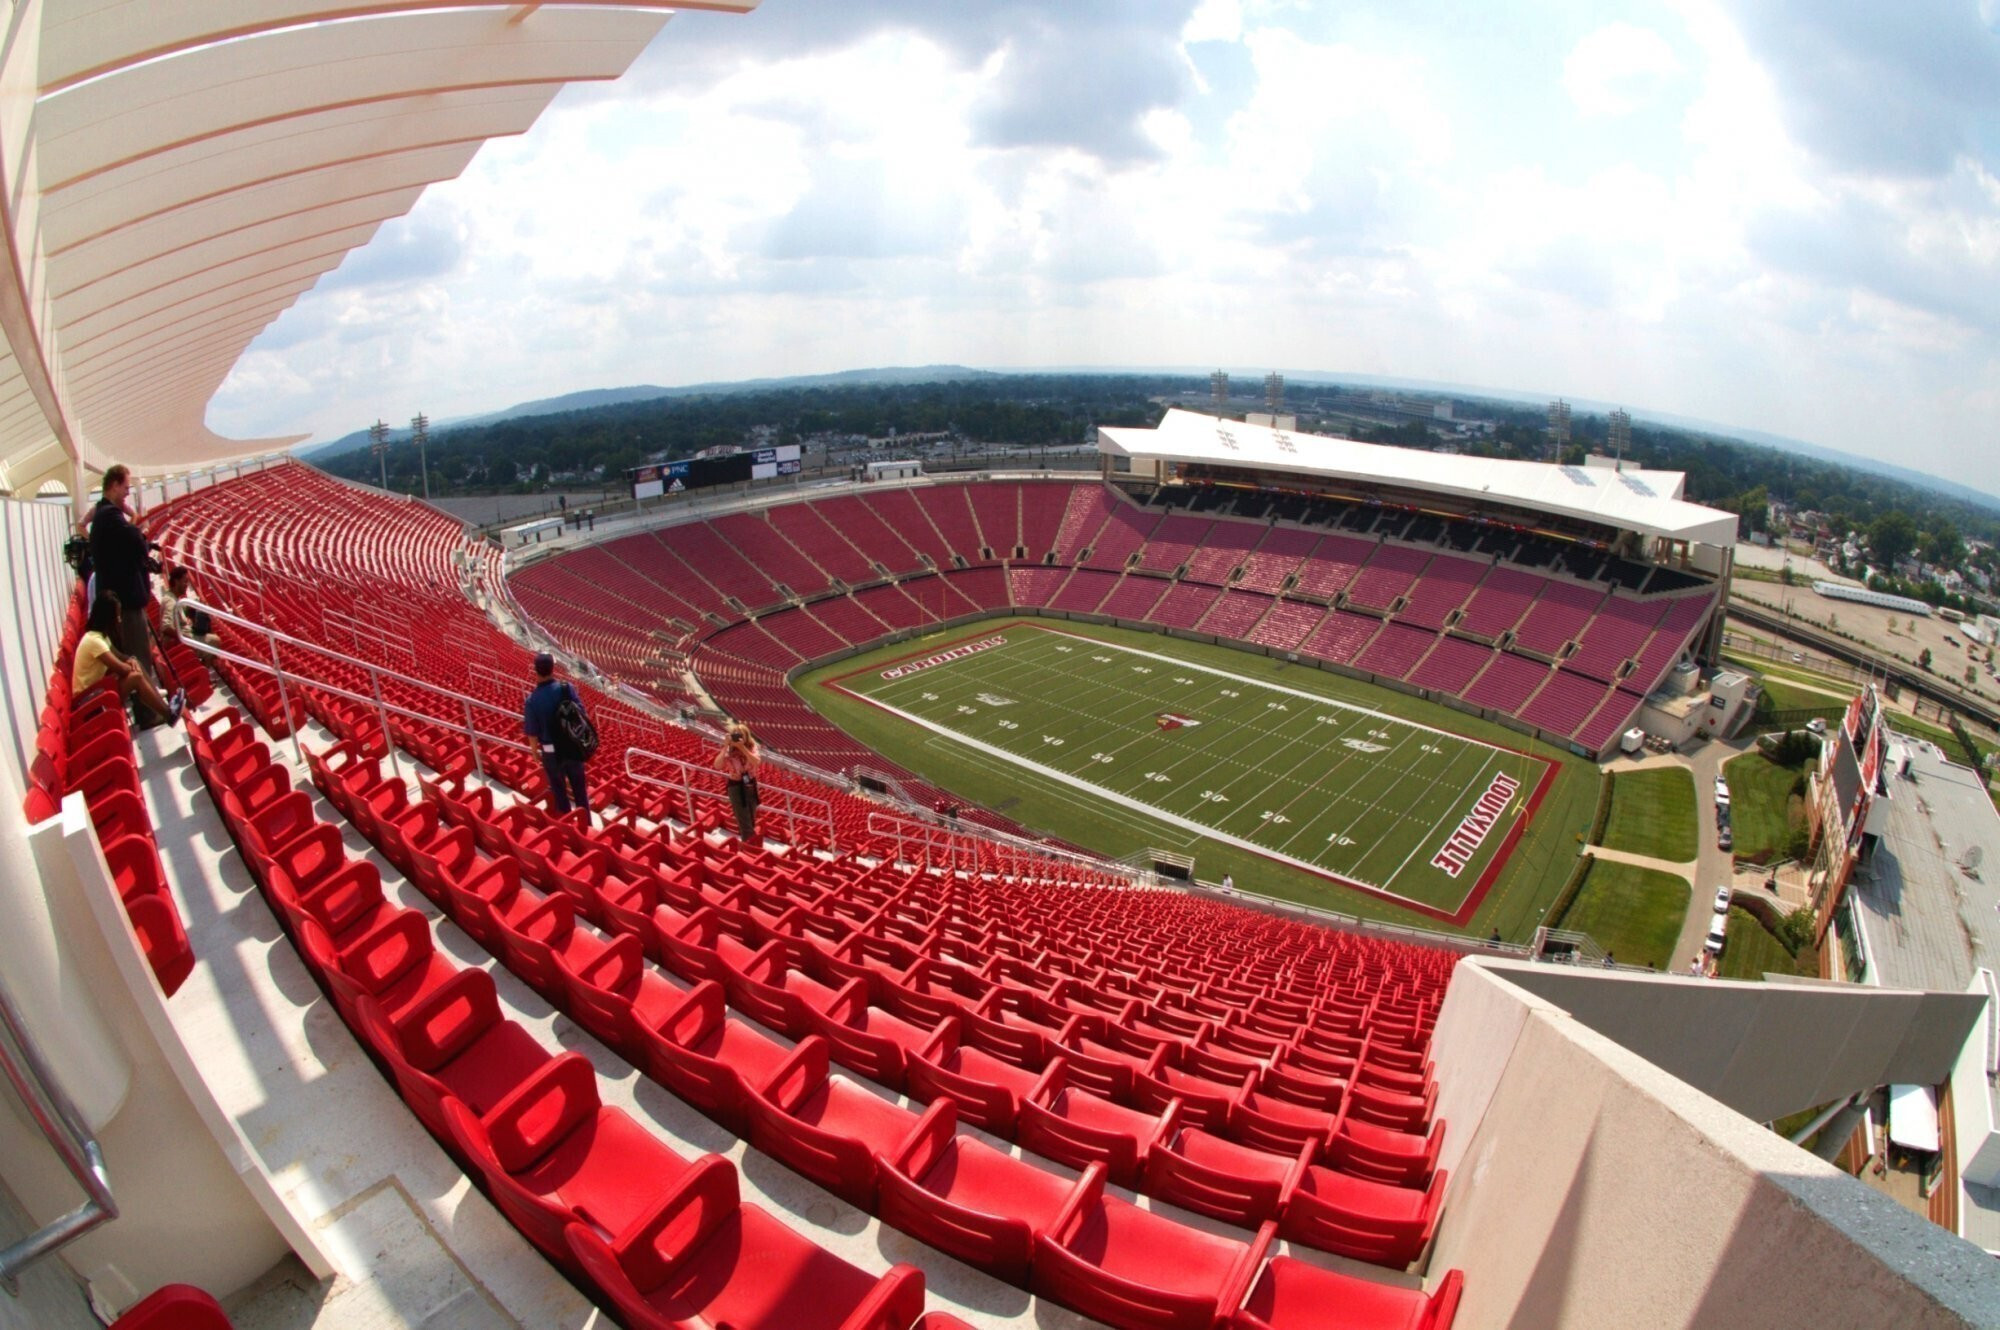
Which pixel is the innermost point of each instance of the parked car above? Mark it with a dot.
(1725, 839)
(1718, 931)
(1722, 895)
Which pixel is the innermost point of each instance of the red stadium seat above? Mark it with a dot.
(1079, 1129)
(452, 1045)
(1212, 1176)
(174, 1307)
(1291, 1295)
(1357, 1217)
(553, 1156)
(825, 1128)
(1136, 1270)
(708, 1057)
(703, 1258)
(970, 1200)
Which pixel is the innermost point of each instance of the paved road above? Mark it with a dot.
(1713, 865)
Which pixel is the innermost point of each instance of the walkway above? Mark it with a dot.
(1712, 865)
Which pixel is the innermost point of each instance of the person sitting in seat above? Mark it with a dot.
(178, 620)
(97, 660)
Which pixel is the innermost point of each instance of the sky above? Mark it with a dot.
(1776, 216)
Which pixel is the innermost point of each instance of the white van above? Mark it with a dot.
(1718, 929)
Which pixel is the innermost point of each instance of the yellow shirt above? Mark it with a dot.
(92, 655)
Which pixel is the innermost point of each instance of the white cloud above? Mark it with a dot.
(1215, 21)
(1618, 69)
(1360, 189)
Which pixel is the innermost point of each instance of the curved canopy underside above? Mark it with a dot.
(177, 175)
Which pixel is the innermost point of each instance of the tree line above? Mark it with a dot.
(1033, 410)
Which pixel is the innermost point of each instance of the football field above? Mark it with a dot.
(1406, 811)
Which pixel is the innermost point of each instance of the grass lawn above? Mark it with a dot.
(1652, 813)
(1752, 951)
(1634, 913)
(1762, 806)
(1260, 767)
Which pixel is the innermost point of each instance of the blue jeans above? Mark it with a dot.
(566, 783)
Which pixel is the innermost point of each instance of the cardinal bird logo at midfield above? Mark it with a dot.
(1173, 720)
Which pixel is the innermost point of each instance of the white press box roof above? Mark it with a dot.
(1648, 502)
(177, 174)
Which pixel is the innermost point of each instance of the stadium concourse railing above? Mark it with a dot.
(155, 491)
(803, 818)
(35, 1082)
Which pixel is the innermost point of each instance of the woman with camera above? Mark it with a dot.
(739, 761)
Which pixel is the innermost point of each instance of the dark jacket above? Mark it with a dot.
(118, 553)
(538, 714)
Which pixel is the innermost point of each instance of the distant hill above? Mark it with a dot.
(899, 375)
(591, 398)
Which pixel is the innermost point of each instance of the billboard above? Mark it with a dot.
(695, 473)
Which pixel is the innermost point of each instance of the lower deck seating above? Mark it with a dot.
(1077, 1014)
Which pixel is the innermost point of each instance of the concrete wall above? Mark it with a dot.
(1972, 1101)
(1767, 1050)
(34, 595)
(1591, 1188)
(192, 1206)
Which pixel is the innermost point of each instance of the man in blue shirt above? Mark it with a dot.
(560, 762)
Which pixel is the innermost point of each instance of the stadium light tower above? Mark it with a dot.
(1621, 433)
(1558, 428)
(1218, 391)
(1274, 392)
(378, 435)
(420, 430)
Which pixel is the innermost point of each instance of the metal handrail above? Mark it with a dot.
(64, 1129)
(932, 828)
(273, 638)
(794, 806)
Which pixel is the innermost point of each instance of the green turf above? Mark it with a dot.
(1392, 808)
(1652, 813)
(1634, 913)
(1752, 951)
(1761, 806)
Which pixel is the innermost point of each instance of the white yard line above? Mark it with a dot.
(1138, 806)
(1320, 698)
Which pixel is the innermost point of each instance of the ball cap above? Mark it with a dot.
(545, 663)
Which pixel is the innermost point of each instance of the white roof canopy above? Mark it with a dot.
(1633, 500)
(179, 174)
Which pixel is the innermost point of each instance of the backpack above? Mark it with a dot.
(575, 737)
